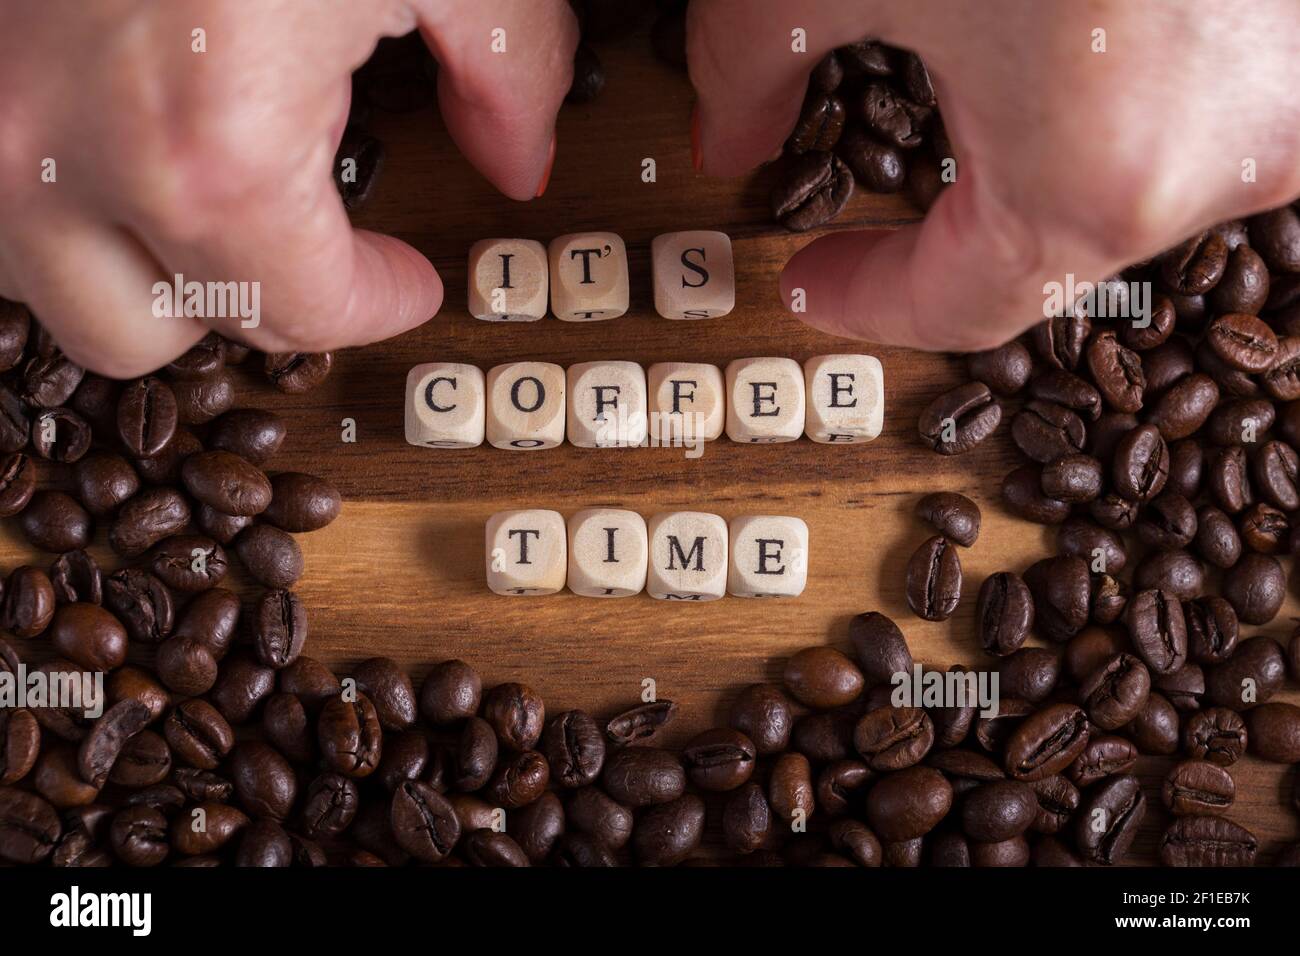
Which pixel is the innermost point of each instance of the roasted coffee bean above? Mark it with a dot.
(490, 848)
(1216, 734)
(165, 467)
(1229, 480)
(1276, 472)
(29, 602)
(1116, 691)
(1185, 407)
(406, 756)
(857, 841)
(49, 380)
(790, 787)
(141, 602)
(306, 678)
(201, 401)
(1217, 540)
(1186, 463)
(349, 735)
(17, 483)
(1109, 599)
(574, 748)
(138, 836)
(475, 755)
(15, 422)
(666, 834)
(148, 518)
(537, 827)
(1056, 799)
(104, 481)
(1211, 629)
(878, 166)
(892, 117)
(59, 434)
(224, 529)
(998, 811)
(1243, 341)
(1275, 235)
(57, 777)
(357, 164)
(1045, 432)
(1116, 371)
(1175, 572)
(1274, 732)
(1240, 422)
(1101, 548)
(146, 416)
(1253, 674)
(1255, 587)
(516, 713)
(1102, 757)
(265, 844)
(590, 811)
(822, 677)
(423, 822)
(908, 804)
(1282, 380)
(1046, 742)
(819, 126)
(747, 820)
(1073, 478)
(642, 776)
(719, 759)
(75, 576)
(1005, 369)
(15, 327)
(954, 516)
(203, 785)
(1265, 529)
(205, 358)
(1068, 390)
(1244, 285)
(1232, 381)
(1184, 687)
(265, 784)
(1157, 629)
(108, 735)
(198, 734)
(1091, 648)
(301, 502)
(933, 580)
(296, 372)
(253, 434)
(1156, 332)
(840, 784)
(1207, 841)
(960, 419)
(330, 805)
(1155, 729)
(1292, 655)
(1030, 673)
(519, 779)
(1004, 614)
(1168, 522)
(382, 680)
(20, 743)
(54, 521)
(1195, 266)
(188, 562)
(1113, 511)
(640, 724)
(226, 482)
(828, 735)
(812, 191)
(1197, 787)
(88, 635)
(278, 625)
(1141, 464)
(242, 685)
(579, 850)
(1109, 819)
(761, 712)
(1023, 495)
(206, 828)
(1061, 589)
(451, 692)
(289, 729)
(891, 738)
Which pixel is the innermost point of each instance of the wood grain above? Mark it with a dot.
(401, 572)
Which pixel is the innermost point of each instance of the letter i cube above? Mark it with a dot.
(509, 280)
(588, 276)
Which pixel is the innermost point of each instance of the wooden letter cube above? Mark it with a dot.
(694, 275)
(509, 280)
(588, 277)
(446, 405)
(687, 401)
(527, 552)
(525, 405)
(607, 405)
(765, 400)
(688, 556)
(607, 553)
(769, 556)
(846, 398)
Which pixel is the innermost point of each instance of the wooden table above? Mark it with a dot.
(401, 573)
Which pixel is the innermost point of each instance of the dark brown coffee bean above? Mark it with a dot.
(1046, 742)
(516, 713)
(384, 681)
(1276, 470)
(1216, 734)
(1102, 549)
(762, 713)
(1045, 432)
(908, 804)
(880, 167)
(1141, 464)
(54, 521)
(1217, 540)
(1117, 372)
(819, 126)
(1060, 341)
(146, 519)
(1175, 572)
(1275, 235)
(1109, 819)
(1207, 841)
(1243, 341)
(1185, 407)
(1005, 369)
(960, 419)
(813, 190)
(1155, 729)
(226, 482)
(302, 502)
(1244, 286)
(1068, 390)
(423, 822)
(75, 576)
(1264, 529)
(1255, 587)
(1168, 522)
(242, 685)
(1030, 673)
(1022, 493)
(29, 602)
(1004, 614)
(1197, 787)
(138, 836)
(188, 562)
(48, 381)
(1157, 629)
(668, 833)
(1061, 590)
(253, 434)
(1114, 512)
(891, 738)
(357, 164)
(1211, 629)
(1116, 691)
(1186, 463)
(20, 743)
(1073, 478)
(892, 117)
(88, 635)
(1109, 599)
(278, 623)
(108, 735)
(146, 416)
(198, 734)
(575, 749)
(1254, 673)
(264, 782)
(17, 483)
(954, 516)
(1104, 756)
(451, 692)
(840, 785)
(934, 580)
(349, 735)
(1195, 266)
(642, 776)
(296, 372)
(141, 602)
(1155, 332)
(640, 724)
(1282, 380)
(1274, 732)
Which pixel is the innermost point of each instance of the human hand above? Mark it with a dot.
(1068, 160)
(217, 165)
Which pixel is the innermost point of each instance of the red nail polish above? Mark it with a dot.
(697, 153)
(546, 176)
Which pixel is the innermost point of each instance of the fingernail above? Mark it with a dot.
(697, 154)
(546, 176)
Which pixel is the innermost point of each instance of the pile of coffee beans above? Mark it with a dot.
(1163, 451)
(871, 116)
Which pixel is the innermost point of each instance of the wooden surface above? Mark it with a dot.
(401, 572)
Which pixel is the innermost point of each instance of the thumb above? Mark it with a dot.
(504, 69)
(970, 276)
